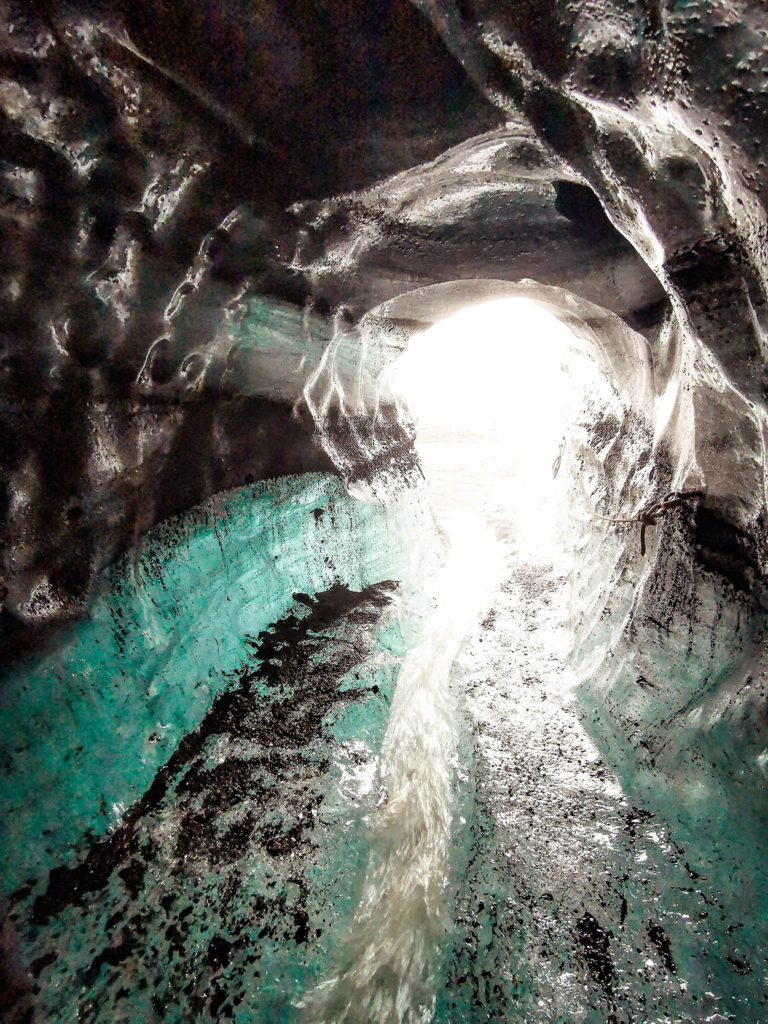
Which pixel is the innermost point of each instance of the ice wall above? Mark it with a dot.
(205, 743)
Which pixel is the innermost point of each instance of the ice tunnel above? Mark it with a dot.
(383, 430)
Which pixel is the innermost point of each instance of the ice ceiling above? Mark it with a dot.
(225, 225)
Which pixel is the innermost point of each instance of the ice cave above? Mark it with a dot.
(383, 422)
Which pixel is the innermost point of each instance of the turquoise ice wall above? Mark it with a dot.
(189, 767)
(88, 724)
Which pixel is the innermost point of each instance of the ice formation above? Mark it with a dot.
(274, 747)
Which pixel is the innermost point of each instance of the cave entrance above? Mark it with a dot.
(499, 392)
(494, 390)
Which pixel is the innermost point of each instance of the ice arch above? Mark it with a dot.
(662, 641)
(666, 637)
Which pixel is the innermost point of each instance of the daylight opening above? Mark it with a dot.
(493, 390)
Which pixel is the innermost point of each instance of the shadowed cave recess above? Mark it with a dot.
(382, 427)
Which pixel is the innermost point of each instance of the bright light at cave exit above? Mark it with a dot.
(493, 389)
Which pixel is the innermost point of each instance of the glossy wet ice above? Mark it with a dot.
(396, 941)
(578, 902)
(580, 893)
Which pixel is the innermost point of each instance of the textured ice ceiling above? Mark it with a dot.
(179, 178)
